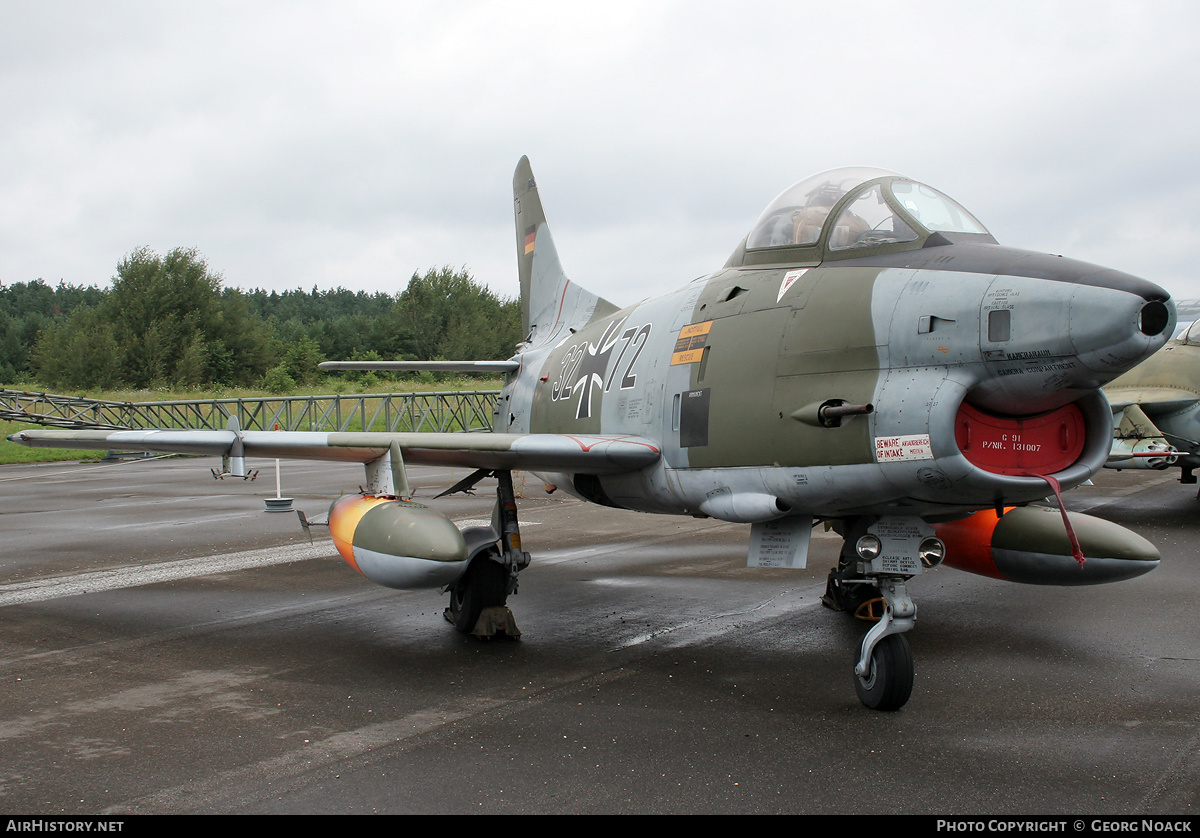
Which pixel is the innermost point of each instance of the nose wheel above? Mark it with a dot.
(883, 673)
(888, 681)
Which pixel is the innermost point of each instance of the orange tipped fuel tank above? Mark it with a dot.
(397, 543)
(1030, 544)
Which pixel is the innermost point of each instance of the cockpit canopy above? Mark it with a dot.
(846, 211)
(1192, 336)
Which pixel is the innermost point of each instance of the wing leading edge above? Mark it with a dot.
(583, 453)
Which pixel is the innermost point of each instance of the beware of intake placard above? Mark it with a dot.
(890, 449)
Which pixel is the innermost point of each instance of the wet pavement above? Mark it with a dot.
(168, 646)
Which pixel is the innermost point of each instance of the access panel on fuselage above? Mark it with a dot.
(809, 339)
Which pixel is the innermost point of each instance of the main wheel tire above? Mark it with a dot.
(482, 586)
(888, 684)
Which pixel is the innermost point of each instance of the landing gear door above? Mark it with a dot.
(782, 543)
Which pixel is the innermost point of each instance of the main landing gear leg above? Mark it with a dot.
(478, 599)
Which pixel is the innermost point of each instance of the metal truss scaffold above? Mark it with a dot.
(470, 410)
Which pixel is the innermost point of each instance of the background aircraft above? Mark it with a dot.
(869, 357)
(1157, 409)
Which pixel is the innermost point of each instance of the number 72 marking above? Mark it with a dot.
(636, 338)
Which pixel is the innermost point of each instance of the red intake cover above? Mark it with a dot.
(1040, 444)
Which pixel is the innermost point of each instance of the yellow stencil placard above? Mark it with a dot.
(690, 346)
(689, 357)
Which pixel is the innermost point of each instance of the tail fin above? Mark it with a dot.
(550, 303)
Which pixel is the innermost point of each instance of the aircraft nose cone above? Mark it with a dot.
(1062, 328)
(1111, 329)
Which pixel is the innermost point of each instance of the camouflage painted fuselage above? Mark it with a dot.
(722, 371)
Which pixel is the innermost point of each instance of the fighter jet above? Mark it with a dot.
(1156, 410)
(869, 358)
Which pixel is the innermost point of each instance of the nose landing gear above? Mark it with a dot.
(883, 675)
(878, 556)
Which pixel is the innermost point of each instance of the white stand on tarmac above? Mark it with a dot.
(277, 503)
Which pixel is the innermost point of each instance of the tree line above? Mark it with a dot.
(167, 321)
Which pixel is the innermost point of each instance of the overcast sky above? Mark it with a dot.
(353, 143)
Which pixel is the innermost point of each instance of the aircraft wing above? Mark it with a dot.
(583, 453)
(1152, 400)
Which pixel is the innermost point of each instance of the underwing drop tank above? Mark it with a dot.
(1030, 544)
(397, 543)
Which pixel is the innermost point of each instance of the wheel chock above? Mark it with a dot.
(494, 621)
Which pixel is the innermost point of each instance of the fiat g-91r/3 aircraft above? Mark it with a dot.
(869, 357)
